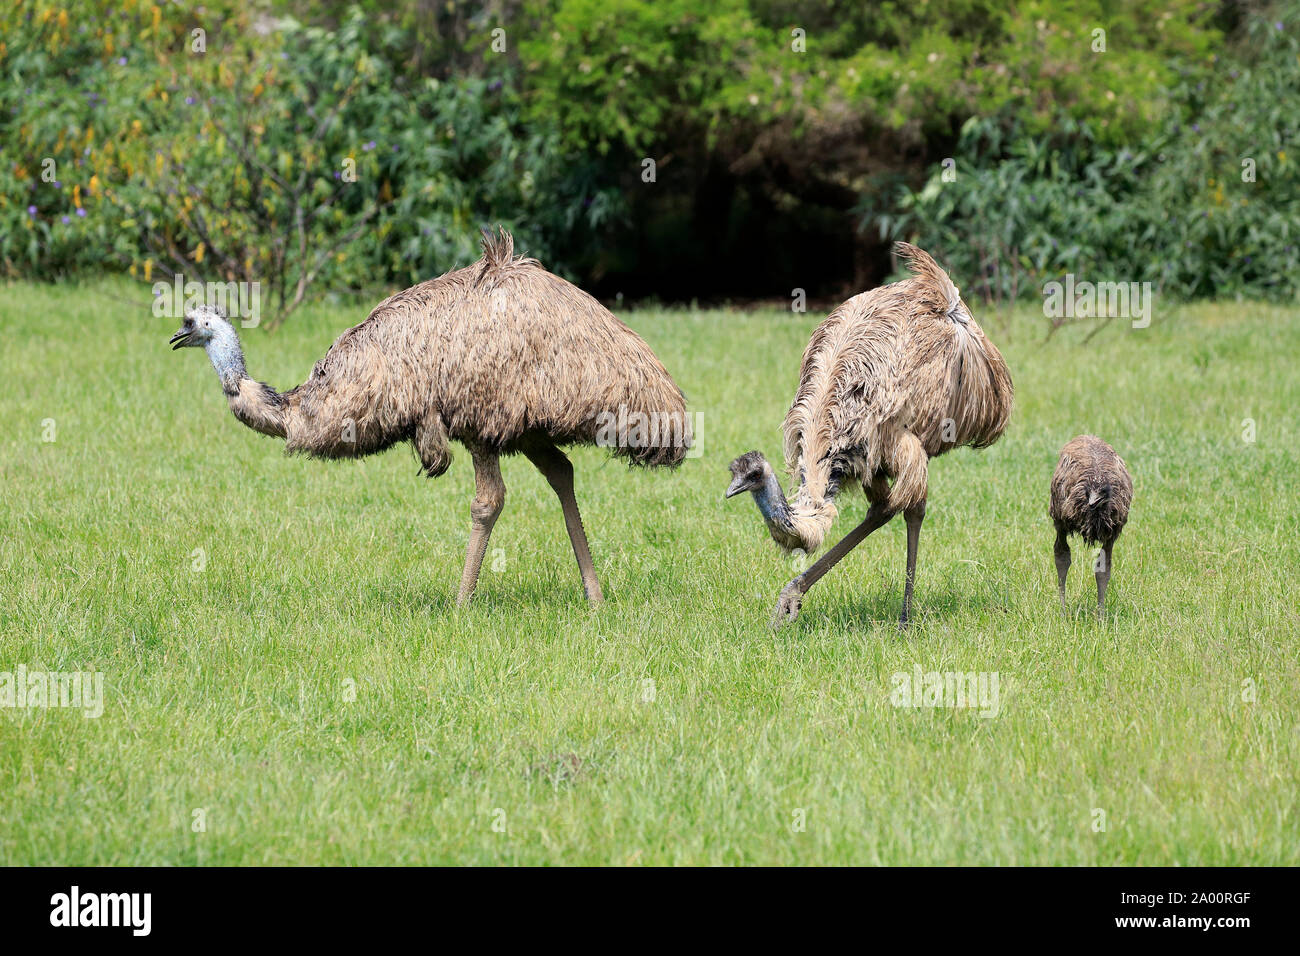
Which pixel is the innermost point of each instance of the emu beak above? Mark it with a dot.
(180, 338)
(736, 487)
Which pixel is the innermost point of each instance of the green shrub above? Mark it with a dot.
(1179, 208)
(292, 158)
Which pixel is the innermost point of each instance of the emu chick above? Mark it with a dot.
(1091, 494)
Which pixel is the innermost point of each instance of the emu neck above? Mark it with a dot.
(773, 506)
(228, 359)
(258, 406)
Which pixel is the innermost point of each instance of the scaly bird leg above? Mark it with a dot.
(913, 517)
(558, 470)
(791, 598)
(1103, 577)
(1062, 552)
(489, 497)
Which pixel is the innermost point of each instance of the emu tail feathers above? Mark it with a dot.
(932, 274)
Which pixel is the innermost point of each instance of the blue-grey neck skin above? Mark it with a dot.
(227, 358)
(771, 502)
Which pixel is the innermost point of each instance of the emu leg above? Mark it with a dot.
(1062, 552)
(791, 598)
(1103, 577)
(913, 517)
(558, 470)
(489, 497)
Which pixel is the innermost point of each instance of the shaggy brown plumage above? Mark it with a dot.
(892, 378)
(501, 356)
(1091, 495)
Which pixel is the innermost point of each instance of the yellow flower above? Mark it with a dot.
(198, 252)
(148, 269)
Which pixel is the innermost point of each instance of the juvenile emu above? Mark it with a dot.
(502, 356)
(1091, 494)
(891, 379)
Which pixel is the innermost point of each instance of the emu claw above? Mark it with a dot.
(787, 605)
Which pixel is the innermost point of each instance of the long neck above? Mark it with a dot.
(228, 359)
(800, 525)
(774, 508)
(257, 405)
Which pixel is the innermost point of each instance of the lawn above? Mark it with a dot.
(287, 679)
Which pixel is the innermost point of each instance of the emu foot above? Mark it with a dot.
(787, 605)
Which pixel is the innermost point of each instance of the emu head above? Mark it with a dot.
(748, 473)
(203, 325)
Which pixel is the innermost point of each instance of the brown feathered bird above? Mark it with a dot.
(1091, 494)
(891, 378)
(502, 356)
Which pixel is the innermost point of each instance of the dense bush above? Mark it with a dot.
(1207, 203)
(792, 139)
(288, 156)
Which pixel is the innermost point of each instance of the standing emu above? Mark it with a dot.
(501, 356)
(1091, 494)
(892, 378)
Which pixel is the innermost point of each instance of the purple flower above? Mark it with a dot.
(1196, 127)
(57, 184)
(189, 101)
(1278, 24)
(495, 85)
(81, 212)
(369, 146)
(121, 61)
(31, 211)
(336, 174)
(65, 220)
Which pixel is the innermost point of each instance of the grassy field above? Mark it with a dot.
(526, 729)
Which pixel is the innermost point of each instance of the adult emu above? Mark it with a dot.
(502, 356)
(890, 379)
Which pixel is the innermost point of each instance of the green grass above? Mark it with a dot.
(225, 688)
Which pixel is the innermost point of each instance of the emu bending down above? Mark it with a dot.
(501, 356)
(891, 378)
(1091, 494)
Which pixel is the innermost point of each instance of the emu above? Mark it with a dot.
(502, 356)
(1091, 494)
(892, 378)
